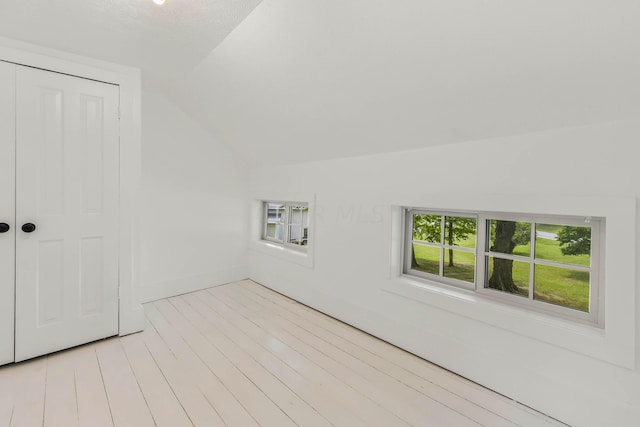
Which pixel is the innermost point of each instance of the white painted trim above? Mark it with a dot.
(169, 288)
(131, 313)
(614, 344)
(305, 257)
(7, 211)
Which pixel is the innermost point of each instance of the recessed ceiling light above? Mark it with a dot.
(158, 2)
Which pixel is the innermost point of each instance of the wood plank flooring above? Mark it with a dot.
(243, 355)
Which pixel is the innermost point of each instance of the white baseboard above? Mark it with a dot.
(159, 290)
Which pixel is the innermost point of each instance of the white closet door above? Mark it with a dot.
(67, 186)
(7, 209)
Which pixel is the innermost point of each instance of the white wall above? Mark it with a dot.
(193, 205)
(353, 240)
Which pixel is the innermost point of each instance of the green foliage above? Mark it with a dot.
(458, 228)
(428, 228)
(457, 231)
(575, 240)
(521, 235)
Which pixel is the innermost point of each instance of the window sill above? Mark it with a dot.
(589, 340)
(303, 258)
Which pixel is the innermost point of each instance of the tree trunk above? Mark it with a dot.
(502, 277)
(450, 242)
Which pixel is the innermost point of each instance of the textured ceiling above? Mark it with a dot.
(306, 80)
(164, 41)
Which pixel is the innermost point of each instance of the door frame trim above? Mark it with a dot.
(130, 311)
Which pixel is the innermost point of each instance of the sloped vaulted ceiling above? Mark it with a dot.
(314, 79)
(302, 80)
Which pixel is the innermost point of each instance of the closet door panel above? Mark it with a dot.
(67, 186)
(7, 209)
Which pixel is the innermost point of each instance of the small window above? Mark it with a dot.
(286, 223)
(549, 264)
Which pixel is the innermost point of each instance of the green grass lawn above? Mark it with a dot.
(559, 286)
(469, 242)
(550, 250)
(520, 274)
(463, 266)
(548, 228)
(428, 259)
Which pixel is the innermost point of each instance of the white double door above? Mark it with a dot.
(59, 179)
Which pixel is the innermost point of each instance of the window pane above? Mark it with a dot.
(459, 265)
(460, 231)
(564, 243)
(271, 231)
(296, 234)
(279, 232)
(508, 276)
(275, 213)
(305, 237)
(275, 231)
(298, 214)
(510, 237)
(562, 286)
(275, 217)
(427, 228)
(426, 258)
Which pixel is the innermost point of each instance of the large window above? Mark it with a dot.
(549, 264)
(286, 223)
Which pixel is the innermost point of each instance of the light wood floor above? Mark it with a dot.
(242, 355)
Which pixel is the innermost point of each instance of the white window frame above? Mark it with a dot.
(595, 316)
(287, 224)
(289, 254)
